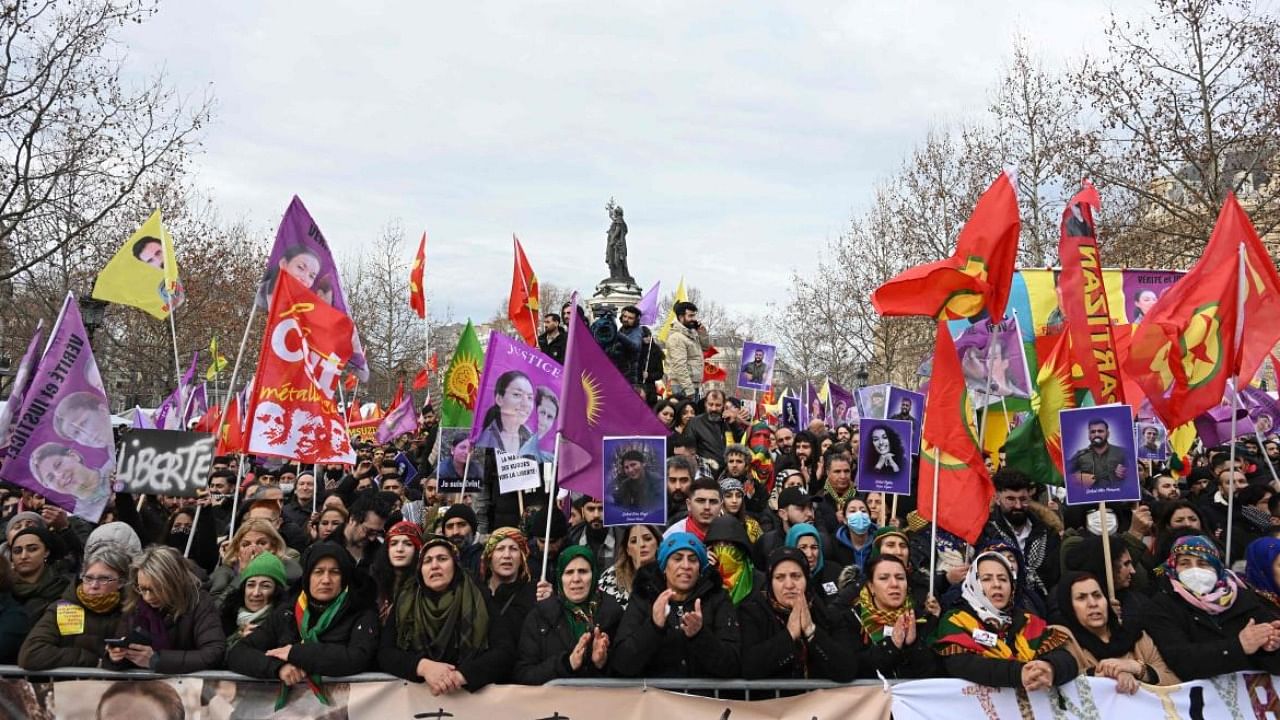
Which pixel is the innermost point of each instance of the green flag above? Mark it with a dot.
(462, 381)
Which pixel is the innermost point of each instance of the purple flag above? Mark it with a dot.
(597, 402)
(518, 403)
(649, 305)
(402, 419)
(302, 251)
(141, 421)
(21, 380)
(197, 405)
(62, 446)
(169, 415)
(1263, 408)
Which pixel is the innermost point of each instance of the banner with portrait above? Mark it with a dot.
(61, 445)
(293, 411)
(1098, 458)
(756, 369)
(518, 404)
(884, 456)
(635, 487)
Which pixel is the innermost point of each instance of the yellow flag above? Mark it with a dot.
(143, 273)
(219, 362)
(681, 296)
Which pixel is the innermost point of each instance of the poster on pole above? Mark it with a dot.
(884, 456)
(1099, 463)
(634, 483)
(460, 468)
(516, 473)
(907, 405)
(1152, 441)
(873, 402)
(756, 371)
(165, 462)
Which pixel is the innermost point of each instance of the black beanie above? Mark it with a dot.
(461, 510)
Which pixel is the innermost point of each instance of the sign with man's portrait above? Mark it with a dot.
(1099, 462)
(756, 369)
(635, 487)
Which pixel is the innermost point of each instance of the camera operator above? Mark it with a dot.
(621, 342)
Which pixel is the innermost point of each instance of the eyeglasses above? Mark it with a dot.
(95, 580)
(373, 532)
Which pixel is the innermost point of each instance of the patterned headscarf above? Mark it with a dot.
(505, 533)
(1260, 557)
(1224, 592)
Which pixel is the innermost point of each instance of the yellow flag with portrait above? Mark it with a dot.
(144, 272)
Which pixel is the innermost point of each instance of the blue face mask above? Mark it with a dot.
(858, 521)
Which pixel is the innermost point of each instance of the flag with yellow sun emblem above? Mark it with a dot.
(1035, 446)
(462, 381)
(596, 402)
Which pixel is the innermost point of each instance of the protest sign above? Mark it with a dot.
(165, 462)
(884, 456)
(1098, 454)
(1151, 440)
(516, 473)
(906, 405)
(844, 409)
(61, 445)
(873, 401)
(791, 412)
(363, 430)
(635, 487)
(813, 407)
(408, 471)
(756, 370)
(458, 460)
(518, 404)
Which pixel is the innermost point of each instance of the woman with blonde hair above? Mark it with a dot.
(640, 547)
(254, 536)
(170, 625)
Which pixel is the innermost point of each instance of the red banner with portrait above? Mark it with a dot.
(293, 412)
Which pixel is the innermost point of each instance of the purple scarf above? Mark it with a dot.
(153, 622)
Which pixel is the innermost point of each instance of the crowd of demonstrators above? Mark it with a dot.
(296, 574)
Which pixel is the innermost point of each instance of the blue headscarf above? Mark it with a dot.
(798, 531)
(681, 541)
(1260, 557)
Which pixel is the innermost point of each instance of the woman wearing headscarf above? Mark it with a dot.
(680, 622)
(824, 578)
(504, 568)
(1261, 571)
(1100, 644)
(1210, 623)
(71, 633)
(329, 628)
(444, 630)
(568, 634)
(639, 548)
(34, 552)
(788, 633)
(892, 639)
(988, 641)
(394, 563)
(171, 625)
(261, 585)
(729, 551)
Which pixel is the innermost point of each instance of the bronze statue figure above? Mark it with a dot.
(615, 252)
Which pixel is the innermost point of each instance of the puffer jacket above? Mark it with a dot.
(646, 650)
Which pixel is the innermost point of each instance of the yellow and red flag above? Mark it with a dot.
(950, 448)
(1216, 322)
(417, 293)
(1084, 300)
(522, 308)
(978, 274)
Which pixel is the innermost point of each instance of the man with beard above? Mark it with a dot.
(708, 429)
(1012, 522)
(1101, 465)
(685, 344)
(680, 474)
(783, 437)
(553, 341)
(592, 532)
(737, 466)
(365, 528)
(459, 527)
(756, 369)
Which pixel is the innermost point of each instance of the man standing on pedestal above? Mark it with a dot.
(685, 344)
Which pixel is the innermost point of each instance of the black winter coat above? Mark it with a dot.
(347, 647)
(492, 665)
(546, 642)
(646, 650)
(197, 639)
(768, 651)
(1198, 645)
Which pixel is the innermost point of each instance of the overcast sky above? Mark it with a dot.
(738, 138)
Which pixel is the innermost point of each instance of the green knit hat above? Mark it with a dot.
(266, 564)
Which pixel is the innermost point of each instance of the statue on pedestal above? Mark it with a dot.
(615, 251)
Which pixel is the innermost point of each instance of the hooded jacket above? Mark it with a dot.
(684, 357)
(646, 650)
(346, 647)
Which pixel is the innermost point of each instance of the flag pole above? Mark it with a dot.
(177, 366)
(235, 494)
(235, 369)
(551, 505)
(195, 522)
(933, 524)
(1241, 291)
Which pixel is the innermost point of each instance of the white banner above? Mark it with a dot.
(1244, 696)
(516, 473)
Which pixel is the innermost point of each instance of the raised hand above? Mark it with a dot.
(692, 622)
(661, 607)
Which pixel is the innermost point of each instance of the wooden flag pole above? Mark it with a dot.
(1106, 552)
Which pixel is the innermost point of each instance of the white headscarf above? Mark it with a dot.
(972, 592)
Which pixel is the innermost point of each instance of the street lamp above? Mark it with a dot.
(92, 312)
(861, 375)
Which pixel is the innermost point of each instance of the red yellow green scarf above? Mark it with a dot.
(310, 632)
(1032, 640)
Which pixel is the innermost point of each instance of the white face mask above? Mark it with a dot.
(286, 488)
(1093, 522)
(1198, 580)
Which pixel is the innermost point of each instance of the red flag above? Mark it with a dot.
(417, 294)
(231, 437)
(1212, 324)
(353, 412)
(1084, 299)
(395, 400)
(350, 382)
(211, 419)
(522, 308)
(293, 411)
(710, 371)
(950, 442)
(420, 380)
(978, 274)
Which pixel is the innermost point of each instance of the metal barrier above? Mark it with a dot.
(88, 673)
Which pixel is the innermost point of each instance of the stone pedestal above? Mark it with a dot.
(615, 294)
